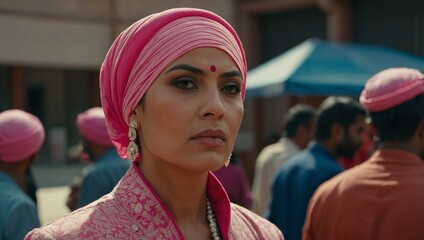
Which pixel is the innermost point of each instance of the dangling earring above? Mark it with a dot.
(132, 149)
(227, 162)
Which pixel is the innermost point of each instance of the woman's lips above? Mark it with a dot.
(211, 137)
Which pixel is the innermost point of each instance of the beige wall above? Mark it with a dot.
(82, 9)
(134, 9)
(76, 33)
(33, 41)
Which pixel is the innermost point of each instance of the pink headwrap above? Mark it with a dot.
(391, 87)
(21, 135)
(146, 48)
(92, 126)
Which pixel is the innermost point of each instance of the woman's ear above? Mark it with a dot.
(137, 112)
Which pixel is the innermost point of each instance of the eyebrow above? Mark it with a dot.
(187, 68)
(234, 73)
(195, 70)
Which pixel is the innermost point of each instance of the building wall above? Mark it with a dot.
(53, 34)
(76, 33)
(391, 23)
(39, 41)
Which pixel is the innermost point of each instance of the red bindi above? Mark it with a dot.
(213, 68)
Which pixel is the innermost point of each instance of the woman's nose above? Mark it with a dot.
(213, 105)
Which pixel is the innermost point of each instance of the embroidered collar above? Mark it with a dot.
(146, 210)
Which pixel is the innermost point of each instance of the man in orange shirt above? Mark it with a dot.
(382, 198)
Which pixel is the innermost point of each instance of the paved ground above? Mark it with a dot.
(53, 182)
(51, 203)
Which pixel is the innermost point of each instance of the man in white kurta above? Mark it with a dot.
(298, 131)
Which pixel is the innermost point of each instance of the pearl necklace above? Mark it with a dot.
(210, 215)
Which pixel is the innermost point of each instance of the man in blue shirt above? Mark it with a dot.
(106, 168)
(21, 137)
(339, 132)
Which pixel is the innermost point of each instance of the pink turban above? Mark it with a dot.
(92, 126)
(146, 48)
(21, 135)
(391, 87)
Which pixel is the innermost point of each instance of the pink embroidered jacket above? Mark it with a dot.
(134, 211)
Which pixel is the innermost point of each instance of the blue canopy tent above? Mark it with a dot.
(318, 67)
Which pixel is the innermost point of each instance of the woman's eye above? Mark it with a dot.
(232, 88)
(184, 84)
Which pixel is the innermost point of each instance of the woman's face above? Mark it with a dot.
(190, 115)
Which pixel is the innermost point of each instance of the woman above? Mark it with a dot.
(172, 88)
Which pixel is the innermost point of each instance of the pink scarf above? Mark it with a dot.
(141, 52)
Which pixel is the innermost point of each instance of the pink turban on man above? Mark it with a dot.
(92, 126)
(21, 135)
(391, 87)
(146, 48)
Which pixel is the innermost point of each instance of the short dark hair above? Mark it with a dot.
(400, 122)
(296, 116)
(337, 110)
